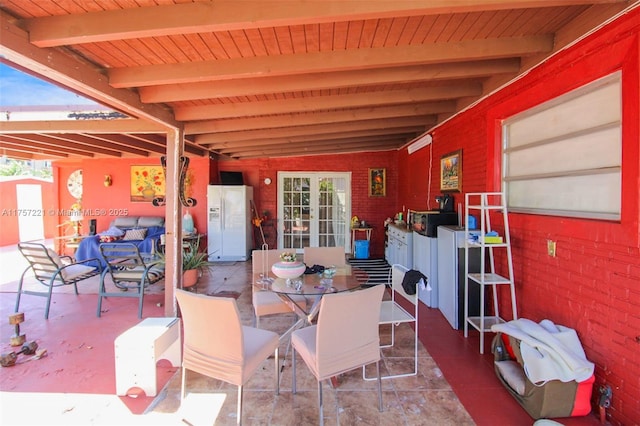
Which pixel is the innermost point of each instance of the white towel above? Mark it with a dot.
(549, 352)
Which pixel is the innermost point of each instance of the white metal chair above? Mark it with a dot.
(217, 345)
(345, 337)
(324, 256)
(266, 302)
(391, 312)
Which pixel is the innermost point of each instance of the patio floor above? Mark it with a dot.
(75, 383)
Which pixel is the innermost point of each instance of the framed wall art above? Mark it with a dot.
(377, 182)
(147, 182)
(451, 172)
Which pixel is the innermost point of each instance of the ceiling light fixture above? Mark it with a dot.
(420, 143)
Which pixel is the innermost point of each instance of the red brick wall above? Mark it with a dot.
(373, 210)
(593, 285)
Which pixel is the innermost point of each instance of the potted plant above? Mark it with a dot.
(193, 261)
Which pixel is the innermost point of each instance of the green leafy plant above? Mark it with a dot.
(194, 259)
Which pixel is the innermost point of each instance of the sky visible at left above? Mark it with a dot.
(20, 89)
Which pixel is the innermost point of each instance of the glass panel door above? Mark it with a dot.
(314, 210)
(294, 212)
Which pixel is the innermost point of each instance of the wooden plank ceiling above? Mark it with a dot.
(255, 79)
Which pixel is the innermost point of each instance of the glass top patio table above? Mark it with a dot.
(346, 278)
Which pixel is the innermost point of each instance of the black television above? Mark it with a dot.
(231, 178)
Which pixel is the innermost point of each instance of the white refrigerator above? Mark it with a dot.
(229, 228)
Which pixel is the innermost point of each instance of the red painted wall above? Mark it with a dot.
(116, 200)
(593, 285)
(9, 213)
(106, 203)
(373, 210)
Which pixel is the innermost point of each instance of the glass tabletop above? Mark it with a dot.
(346, 278)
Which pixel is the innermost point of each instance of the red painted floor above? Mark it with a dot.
(471, 374)
(73, 336)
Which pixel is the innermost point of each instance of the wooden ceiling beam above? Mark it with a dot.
(97, 146)
(313, 138)
(329, 61)
(80, 126)
(332, 80)
(43, 148)
(51, 143)
(320, 103)
(191, 18)
(313, 149)
(24, 155)
(73, 74)
(286, 144)
(130, 141)
(284, 120)
(214, 140)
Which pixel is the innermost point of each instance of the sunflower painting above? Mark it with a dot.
(147, 182)
(377, 183)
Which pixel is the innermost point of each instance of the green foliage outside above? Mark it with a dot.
(40, 169)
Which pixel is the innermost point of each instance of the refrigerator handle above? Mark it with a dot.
(222, 214)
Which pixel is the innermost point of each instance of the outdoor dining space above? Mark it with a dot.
(75, 383)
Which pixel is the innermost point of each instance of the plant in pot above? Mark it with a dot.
(193, 261)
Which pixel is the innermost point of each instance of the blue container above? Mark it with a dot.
(471, 223)
(361, 249)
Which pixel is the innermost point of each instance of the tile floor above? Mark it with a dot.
(455, 384)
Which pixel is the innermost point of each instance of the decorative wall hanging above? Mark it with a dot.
(377, 182)
(451, 172)
(147, 182)
(186, 180)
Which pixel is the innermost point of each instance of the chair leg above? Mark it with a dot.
(239, 414)
(46, 311)
(140, 303)
(293, 370)
(320, 402)
(101, 291)
(277, 354)
(380, 407)
(182, 386)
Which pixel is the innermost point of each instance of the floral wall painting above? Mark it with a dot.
(377, 182)
(451, 172)
(147, 182)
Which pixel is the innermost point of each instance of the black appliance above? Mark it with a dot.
(231, 178)
(445, 203)
(427, 222)
(92, 226)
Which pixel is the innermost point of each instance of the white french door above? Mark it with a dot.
(314, 210)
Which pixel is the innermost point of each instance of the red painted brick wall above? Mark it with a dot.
(373, 210)
(593, 285)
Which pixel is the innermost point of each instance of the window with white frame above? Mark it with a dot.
(564, 157)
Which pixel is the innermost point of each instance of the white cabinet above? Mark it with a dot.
(425, 260)
(399, 248)
(451, 275)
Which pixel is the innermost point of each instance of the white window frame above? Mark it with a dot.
(564, 157)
